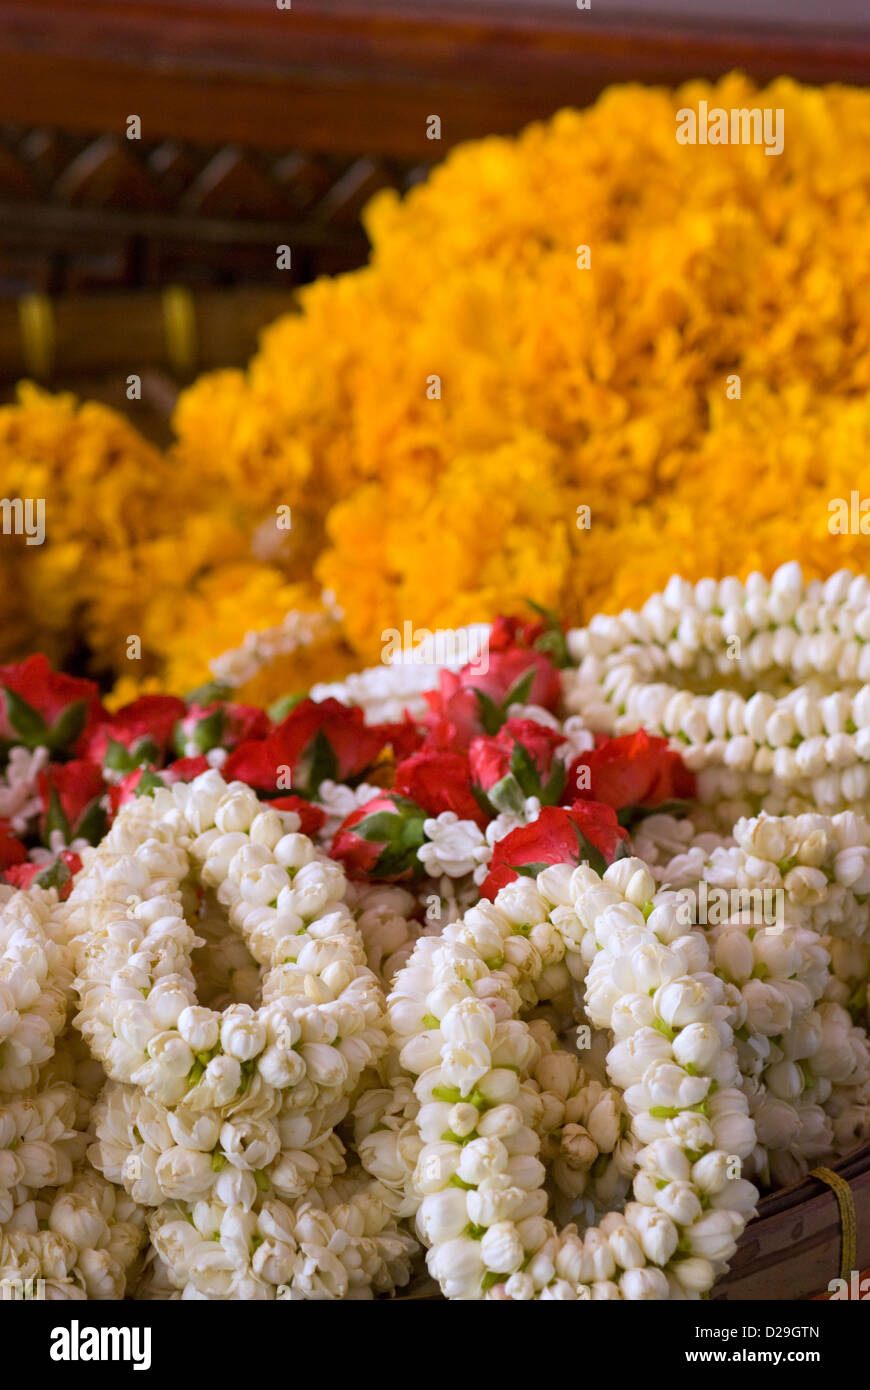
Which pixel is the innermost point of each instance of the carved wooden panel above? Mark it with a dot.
(79, 212)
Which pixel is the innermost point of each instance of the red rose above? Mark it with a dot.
(439, 781)
(476, 701)
(546, 634)
(219, 725)
(508, 679)
(524, 749)
(380, 840)
(71, 796)
(12, 850)
(313, 817)
(138, 733)
(42, 706)
(454, 717)
(56, 874)
(506, 633)
(631, 771)
(317, 741)
(588, 831)
(143, 780)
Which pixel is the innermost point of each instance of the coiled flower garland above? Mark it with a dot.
(805, 1065)
(214, 1110)
(786, 725)
(477, 1176)
(63, 1224)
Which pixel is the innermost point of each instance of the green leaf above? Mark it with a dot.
(208, 693)
(55, 818)
(117, 757)
(149, 783)
(523, 768)
(552, 642)
(55, 876)
(519, 692)
(483, 801)
(209, 731)
(27, 722)
(593, 856)
(281, 707)
(317, 764)
(546, 613)
(387, 825)
(528, 870)
(491, 716)
(629, 816)
(507, 794)
(121, 759)
(92, 826)
(68, 726)
(551, 792)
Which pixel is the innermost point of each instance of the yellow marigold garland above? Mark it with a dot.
(559, 388)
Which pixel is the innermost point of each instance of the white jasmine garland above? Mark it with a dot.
(803, 749)
(454, 1011)
(81, 1238)
(320, 1023)
(35, 985)
(337, 1244)
(785, 970)
(39, 1144)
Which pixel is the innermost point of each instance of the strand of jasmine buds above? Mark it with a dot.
(294, 633)
(579, 1121)
(805, 1065)
(265, 1145)
(35, 985)
(39, 1144)
(82, 1239)
(806, 747)
(454, 1013)
(385, 691)
(318, 1026)
(337, 1244)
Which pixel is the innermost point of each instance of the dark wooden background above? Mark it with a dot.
(263, 126)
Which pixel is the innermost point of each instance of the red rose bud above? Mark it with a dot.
(634, 773)
(507, 633)
(12, 850)
(71, 795)
(439, 781)
(517, 762)
(312, 817)
(587, 833)
(380, 840)
(454, 716)
(317, 742)
(546, 634)
(476, 701)
(219, 725)
(42, 707)
(144, 781)
(137, 734)
(515, 677)
(58, 873)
